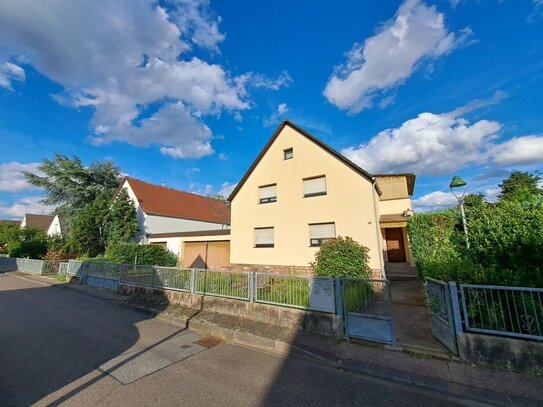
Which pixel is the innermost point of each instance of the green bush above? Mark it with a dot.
(342, 257)
(140, 254)
(28, 242)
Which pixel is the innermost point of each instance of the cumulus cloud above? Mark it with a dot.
(417, 33)
(434, 200)
(123, 58)
(428, 144)
(519, 151)
(11, 176)
(10, 72)
(227, 188)
(275, 117)
(30, 204)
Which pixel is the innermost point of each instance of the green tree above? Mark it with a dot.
(121, 222)
(88, 230)
(520, 186)
(29, 242)
(9, 232)
(70, 185)
(147, 254)
(342, 257)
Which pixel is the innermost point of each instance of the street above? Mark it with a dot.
(61, 347)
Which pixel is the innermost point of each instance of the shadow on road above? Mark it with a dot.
(50, 338)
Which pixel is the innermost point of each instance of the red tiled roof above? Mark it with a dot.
(163, 201)
(41, 222)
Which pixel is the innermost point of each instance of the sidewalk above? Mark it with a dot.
(417, 369)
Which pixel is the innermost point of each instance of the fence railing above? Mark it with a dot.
(172, 278)
(223, 284)
(312, 293)
(62, 268)
(505, 311)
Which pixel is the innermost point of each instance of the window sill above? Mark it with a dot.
(315, 194)
(264, 246)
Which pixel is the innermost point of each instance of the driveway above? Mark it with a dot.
(58, 346)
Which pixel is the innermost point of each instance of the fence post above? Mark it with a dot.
(252, 285)
(338, 296)
(121, 273)
(152, 277)
(193, 281)
(457, 320)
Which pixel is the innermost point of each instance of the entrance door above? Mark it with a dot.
(395, 245)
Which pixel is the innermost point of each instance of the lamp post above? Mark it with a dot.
(457, 183)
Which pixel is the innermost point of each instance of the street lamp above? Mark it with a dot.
(457, 183)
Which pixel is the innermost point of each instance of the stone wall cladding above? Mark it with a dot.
(307, 321)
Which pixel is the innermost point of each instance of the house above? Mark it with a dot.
(50, 224)
(299, 192)
(164, 215)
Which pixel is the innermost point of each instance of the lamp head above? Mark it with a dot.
(458, 182)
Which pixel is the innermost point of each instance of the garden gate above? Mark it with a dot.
(439, 299)
(367, 310)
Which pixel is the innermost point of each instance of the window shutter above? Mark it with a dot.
(264, 237)
(268, 193)
(315, 186)
(322, 231)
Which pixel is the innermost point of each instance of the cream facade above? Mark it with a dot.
(350, 203)
(279, 205)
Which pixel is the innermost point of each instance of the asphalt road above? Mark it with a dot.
(58, 346)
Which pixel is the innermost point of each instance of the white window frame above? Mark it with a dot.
(264, 244)
(317, 193)
(316, 241)
(267, 198)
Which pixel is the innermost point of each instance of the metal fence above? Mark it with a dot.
(312, 293)
(62, 268)
(8, 264)
(50, 268)
(30, 265)
(223, 284)
(505, 311)
(172, 278)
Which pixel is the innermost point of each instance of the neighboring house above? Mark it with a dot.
(299, 192)
(163, 213)
(50, 224)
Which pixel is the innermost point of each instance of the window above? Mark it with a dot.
(288, 153)
(319, 232)
(264, 237)
(314, 186)
(267, 193)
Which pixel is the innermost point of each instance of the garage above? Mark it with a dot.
(212, 255)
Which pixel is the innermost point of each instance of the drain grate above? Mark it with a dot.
(208, 341)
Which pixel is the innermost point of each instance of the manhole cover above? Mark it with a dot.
(185, 346)
(208, 342)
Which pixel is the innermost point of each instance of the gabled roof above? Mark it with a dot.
(169, 202)
(312, 138)
(409, 176)
(41, 222)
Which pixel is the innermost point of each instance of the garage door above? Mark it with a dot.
(210, 255)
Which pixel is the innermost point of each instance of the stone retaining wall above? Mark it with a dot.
(307, 321)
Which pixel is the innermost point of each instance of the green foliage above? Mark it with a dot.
(506, 244)
(28, 242)
(520, 187)
(141, 254)
(9, 232)
(121, 222)
(342, 257)
(88, 233)
(71, 185)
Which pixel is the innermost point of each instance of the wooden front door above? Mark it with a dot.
(395, 245)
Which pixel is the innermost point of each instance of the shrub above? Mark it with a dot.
(342, 257)
(140, 254)
(28, 242)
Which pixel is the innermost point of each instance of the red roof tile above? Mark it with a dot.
(163, 201)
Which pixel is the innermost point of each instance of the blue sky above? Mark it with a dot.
(187, 92)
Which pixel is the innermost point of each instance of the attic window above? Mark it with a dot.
(288, 153)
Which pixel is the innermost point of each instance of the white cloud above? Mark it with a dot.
(382, 62)
(25, 205)
(11, 177)
(430, 144)
(491, 194)
(10, 72)
(227, 188)
(122, 58)
(537, 11)
(275, 117)
(434, 200)
(223, 156)
(519, 151)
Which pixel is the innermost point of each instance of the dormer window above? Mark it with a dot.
(288, 153)
(267, 193)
